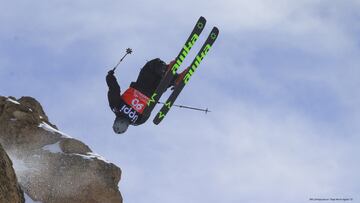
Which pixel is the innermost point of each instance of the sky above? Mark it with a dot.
(281, 81)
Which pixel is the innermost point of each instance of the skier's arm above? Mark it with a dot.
(112, 82)
(114, 90)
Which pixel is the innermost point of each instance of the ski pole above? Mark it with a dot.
(189, 107)
(128, 51)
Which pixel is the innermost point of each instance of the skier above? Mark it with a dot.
(129, 106)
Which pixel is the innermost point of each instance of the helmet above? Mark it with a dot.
(120, 125)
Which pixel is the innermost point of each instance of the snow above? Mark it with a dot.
(53, 148)
(97, 156)
(47, 127)
(91, 155)
(13, 101)
(18, 165)
(28, 199)
(22, 169)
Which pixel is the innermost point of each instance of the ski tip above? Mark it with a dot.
(215, 29)
(214, 33)
(201, 23)
(202, 18)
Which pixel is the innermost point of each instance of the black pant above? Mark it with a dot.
(150, 77)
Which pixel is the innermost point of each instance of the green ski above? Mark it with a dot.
(193, 66)
(169, 75)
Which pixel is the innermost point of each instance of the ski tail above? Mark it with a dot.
(193, 67)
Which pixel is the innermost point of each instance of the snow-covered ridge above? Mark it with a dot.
(12, 101)
(92, 155)
(48, 128)
(55, 148)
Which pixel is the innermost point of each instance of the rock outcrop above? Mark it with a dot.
(10, 191)
(50, 165)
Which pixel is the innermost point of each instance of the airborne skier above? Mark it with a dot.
(134, 106)
(129, 106)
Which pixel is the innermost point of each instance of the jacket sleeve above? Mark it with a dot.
(114, 91)
(112, 83)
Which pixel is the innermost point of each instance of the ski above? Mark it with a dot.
(192, 68)
(171, 72)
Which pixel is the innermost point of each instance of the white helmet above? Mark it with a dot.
(120, 125)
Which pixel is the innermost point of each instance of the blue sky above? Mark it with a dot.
(281, 80)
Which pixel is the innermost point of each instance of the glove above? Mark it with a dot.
(111, 72)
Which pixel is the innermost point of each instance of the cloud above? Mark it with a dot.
(281, 81)
(242, 151)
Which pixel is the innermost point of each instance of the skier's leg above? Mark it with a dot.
(150, 76)
(178, 77)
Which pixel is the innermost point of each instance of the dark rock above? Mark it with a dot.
(10, 191)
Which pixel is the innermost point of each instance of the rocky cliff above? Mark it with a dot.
(50, 165)
(10, 191)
